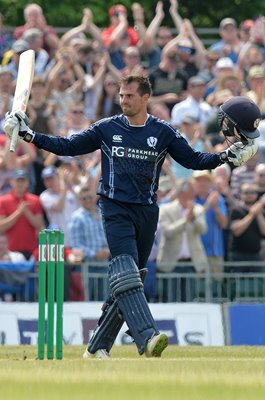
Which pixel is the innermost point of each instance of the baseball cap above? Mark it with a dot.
(48, 172)
(245, 114)
(19, 174)
(256, 71)
(19, 46)
(227, 21)
(224, 62)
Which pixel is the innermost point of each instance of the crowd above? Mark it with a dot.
(206, 217)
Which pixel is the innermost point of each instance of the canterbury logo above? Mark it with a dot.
(117, 138)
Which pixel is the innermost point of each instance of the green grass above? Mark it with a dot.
(185, 373)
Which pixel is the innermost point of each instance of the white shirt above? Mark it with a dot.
(201, 111)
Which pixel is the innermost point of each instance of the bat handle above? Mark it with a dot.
(14, 139)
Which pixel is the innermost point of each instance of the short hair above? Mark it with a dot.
(143, 83)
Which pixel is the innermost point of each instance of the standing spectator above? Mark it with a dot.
(256, 78)
(58, 200)
(108, 100)
(243, 174)
(194, 105)
(34, 18)
(182, 222)
(12, 61)
(260, 179)
(5, 39)
(224, 66)
(34, 39)
(230, 44)
(132, 59)
(247, 224)
(193, 132)
(216, 218)
(6, 93)
(86, 234)
(21, 215)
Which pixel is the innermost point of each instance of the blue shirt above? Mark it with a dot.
(132, 156)
(213, 238)
(86, 232)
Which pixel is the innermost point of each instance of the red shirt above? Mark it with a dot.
(22, 236)
(106, 34)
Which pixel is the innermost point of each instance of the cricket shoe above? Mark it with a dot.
(101, 353)
(156, 345)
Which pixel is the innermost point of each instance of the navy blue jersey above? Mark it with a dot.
(132, 156)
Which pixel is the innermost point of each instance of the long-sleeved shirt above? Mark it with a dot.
(132, 155)
(86, 232)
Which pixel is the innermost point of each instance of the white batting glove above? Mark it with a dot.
(239, 154)
(18, 119)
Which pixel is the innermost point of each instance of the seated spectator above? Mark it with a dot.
(132, 60)
(260, 179)
(6, 94)
(252, 57)
(216, 218)
(181, 224)
(34, 18)
(194, 105)
(244, 30)
(247, 224)
(230, 43)
(207, 68)
(86, 234)
(21, 215)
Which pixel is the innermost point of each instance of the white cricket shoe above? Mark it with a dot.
(101, 353)
(156, 345)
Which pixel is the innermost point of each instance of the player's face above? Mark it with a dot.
(131, 102)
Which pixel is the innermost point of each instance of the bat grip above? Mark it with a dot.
(14, 139)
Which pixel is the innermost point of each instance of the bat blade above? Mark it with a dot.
(23, 86)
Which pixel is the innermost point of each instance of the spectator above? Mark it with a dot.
(256, 78)
(193, 132)
(168, 81)
(247, 224)
(216, 218)
(166, 191)
(21, 215)
(244, 30)
(34, 39)
(132, 60)
(194, 105)
(6, 93)
(5, 39)
(65, 83)
(12, 60)
(243, 174)
(108, 100)
(182, 222)
(224, 66)
(34, 18)
(230, 44)
(207, 68)
(86, 234)
(260, 179)
(118, 35)
(252, 57)
(58, 200)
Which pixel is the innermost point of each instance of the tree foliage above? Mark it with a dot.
(68, 13)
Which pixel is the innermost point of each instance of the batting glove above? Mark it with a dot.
(239, 153)
(18, 119)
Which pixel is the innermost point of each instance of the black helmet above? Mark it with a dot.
(242, 114)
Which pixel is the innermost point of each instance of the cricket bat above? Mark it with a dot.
(23, 86)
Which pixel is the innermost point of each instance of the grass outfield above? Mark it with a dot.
(185, 373)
